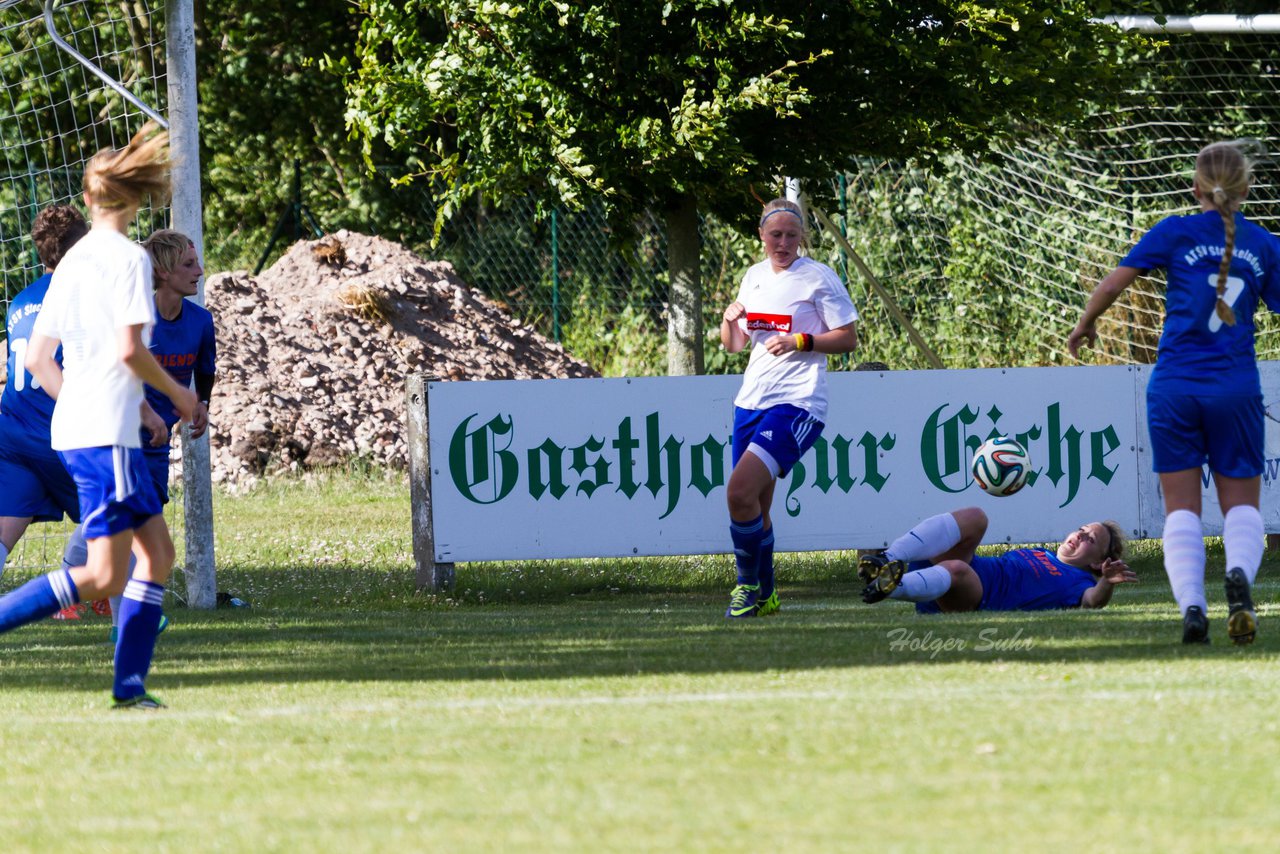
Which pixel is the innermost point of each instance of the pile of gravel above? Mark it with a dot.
(314, 352)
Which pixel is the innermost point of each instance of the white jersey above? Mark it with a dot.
(805, 297)
(102, 285)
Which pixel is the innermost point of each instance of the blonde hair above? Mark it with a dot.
(783, 205)
(166, 248)
(123, 177)
(1223, 176)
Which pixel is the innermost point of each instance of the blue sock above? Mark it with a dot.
(140, 611)
(766, 564)
(747, 537)
(42, 596)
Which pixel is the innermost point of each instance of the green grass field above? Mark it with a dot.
(586, 706)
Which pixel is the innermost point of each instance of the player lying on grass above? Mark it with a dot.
(935, 565)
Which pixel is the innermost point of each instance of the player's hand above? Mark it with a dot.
(1117, 571)
(199, 421)
(155, 426)
(780, 345)
(735, 312)
(1080, 336)
(184, 403)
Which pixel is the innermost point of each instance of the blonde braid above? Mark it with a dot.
(1223, 175)
(1220, 201)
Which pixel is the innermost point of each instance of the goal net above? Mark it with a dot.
(55, 114)
(994, 258)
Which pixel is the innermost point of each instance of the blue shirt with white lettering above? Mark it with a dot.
(24, 401)
(1199, 354)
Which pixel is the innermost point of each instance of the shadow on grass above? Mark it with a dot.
(822, 626)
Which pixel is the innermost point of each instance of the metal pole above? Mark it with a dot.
(188, 217)
(1221, 24)
(555, 279)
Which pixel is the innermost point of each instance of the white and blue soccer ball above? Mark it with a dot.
(1001, 466)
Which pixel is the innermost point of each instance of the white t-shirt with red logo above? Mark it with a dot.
(807, 297)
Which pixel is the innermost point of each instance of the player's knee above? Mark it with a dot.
(744, 501)
(972, 521)
(105, 578)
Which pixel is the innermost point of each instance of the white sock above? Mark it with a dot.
(928, 539)
(923, 585)
(1184, 559)
(1243, 539)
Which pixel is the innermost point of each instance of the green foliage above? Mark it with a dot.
(266, 100)
(665, 105)
(659, 99)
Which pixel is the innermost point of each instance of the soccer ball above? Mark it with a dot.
(1001, 466)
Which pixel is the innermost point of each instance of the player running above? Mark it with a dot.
(182, 341)
(100, 306)
(793, 311)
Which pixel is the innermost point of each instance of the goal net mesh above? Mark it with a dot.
(993, 257)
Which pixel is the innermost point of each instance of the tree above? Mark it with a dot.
(689, 105)
(267, 100)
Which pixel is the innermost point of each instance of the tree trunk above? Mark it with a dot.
(684, 307)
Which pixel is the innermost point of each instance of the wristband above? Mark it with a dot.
(799, 341)
(808, 342)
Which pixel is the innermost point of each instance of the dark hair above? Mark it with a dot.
(56, 229)
(871, 366)
(1223, 176)
(1115, 550)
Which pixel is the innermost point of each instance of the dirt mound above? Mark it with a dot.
(314, 352)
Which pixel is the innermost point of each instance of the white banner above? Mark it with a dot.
(620, 467)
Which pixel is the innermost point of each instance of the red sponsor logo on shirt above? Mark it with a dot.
(768, 322)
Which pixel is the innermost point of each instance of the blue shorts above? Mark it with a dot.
(781, 434)
(158, 466)
(115, 489)
(33, 481)
(1225, 432)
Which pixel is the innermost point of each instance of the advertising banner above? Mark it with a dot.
(534, 469)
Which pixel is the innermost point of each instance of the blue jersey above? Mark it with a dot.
(1199, 354)
(24, 401)
(182, 346)
(1026, 580)
(33, 480)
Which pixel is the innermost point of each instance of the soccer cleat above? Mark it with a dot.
(768, 605)
(743, 601)
(1195, 626)
(882, 576)
(1242, 621)
(870, 564)
(143, 701)
(71, 612)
